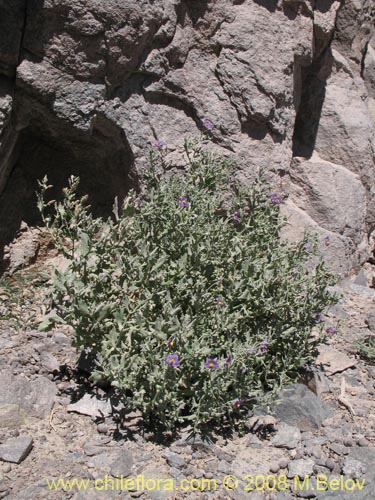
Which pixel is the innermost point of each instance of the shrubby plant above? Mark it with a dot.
(16, 299)
(194, 306)
(366, 348)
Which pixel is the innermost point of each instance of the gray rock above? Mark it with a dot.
(61, 338)
(361, 279)
(333, 361)
(11, 416)
(35, 397)
(301, 468)
(307, 92)
(303, 491)
(287, 437)
(16, 449)
(354, 468)
(22, 252)
(338, 449)
(300, 407)
(368, 293)
(92, 406)
(175, 460)
(122, 466)
(49, 362)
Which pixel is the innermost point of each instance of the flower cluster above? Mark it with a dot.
(276, 198)
(159, 144)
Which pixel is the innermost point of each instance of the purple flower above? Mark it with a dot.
(318, 317)
(207, 124)
(251, 351)
(330, 330)
(236, 217)
(276, 199)
(307, 245)
(219, 301)
(173, 360)
(326, 241)
(183, 202)
(237, 403)
(159, 144)
(138, 203)
(169, 343)
(227, 361)
(211, 363)
(263, 348)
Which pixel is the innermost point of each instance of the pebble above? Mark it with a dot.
(362, 442)
(275, 468)
(330, 464)
(6, 468)
(284, 462)
(175, 460)
(348, 441)
(103, 428)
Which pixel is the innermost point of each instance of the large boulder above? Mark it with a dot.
(96, 83)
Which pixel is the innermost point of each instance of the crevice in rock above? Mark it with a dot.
(363, 60)
(23, 32)
(312, 81)
(102, 159)
(195, 9)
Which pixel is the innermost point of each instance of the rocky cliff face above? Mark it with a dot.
(86, 86)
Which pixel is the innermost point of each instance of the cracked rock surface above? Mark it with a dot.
(86, 87)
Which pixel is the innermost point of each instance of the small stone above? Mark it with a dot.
(283, 463)
(6, 468)
(254, 442)
(330, 464)
(348, 441)
(175, 460)
(339, 449)
(49, 362)
(275, 468)
(103, 428)
(362, 442)
(333, 361)
(302, 408)
(122, 466)
(360, 412)
(223, 467)
(353, 468)
(361, 279)
(16, 449)
(287, 437)
(61, 338)
(11, 416)
(300, 468)
(92, 406)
